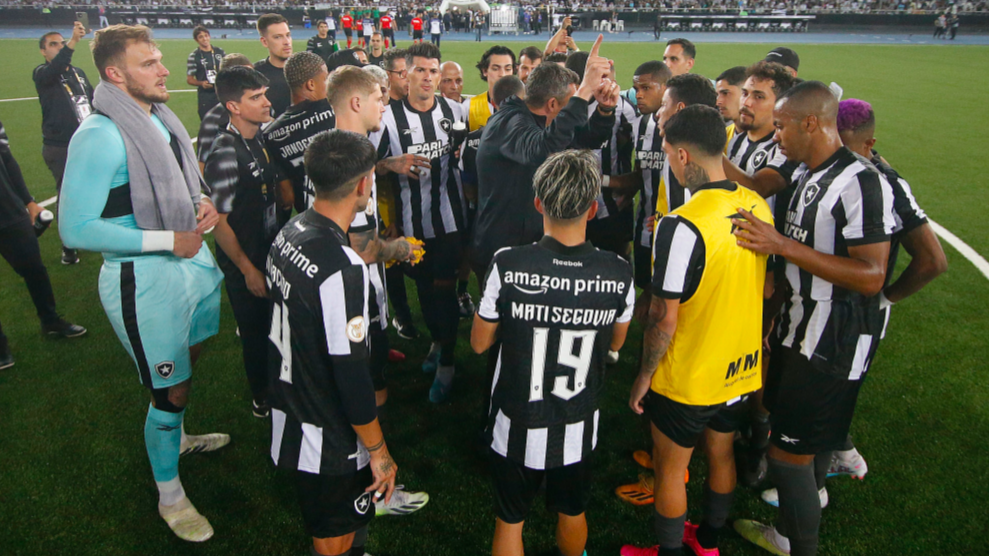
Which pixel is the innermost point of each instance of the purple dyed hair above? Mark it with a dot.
(853, 113)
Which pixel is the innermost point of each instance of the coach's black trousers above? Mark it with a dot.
(253, 316)
(19, 246)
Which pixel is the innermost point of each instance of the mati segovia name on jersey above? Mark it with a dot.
(534, 284)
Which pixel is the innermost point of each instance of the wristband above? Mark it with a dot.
(605, 181)
(157, 240)
(884, 301)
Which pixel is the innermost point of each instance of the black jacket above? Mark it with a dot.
(513, 145)
(58, 116)
(14, 195)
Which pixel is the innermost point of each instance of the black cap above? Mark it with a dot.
(340, 58)
(785, 56)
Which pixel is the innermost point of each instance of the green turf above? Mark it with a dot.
(74, 477)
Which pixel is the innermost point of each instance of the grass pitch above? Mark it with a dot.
(74, 476)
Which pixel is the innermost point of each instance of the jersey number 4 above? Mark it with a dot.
(581, 362)
(280, 335)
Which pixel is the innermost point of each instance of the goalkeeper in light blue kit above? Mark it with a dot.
(132, 190)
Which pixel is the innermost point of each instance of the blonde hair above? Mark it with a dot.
(345, 81)
(567, 184)
(110, 44)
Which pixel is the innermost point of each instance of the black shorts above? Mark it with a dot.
(335, 505)
(442, 258)
(810, 412)
(348, 32)
(604, 235)
(417, 35)
(643, 266)
(684, 424)
(568, 489)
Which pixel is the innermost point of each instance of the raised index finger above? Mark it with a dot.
(597, 46)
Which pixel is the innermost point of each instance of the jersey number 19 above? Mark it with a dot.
(581, 362)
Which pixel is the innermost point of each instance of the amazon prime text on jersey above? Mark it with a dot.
(535, 283)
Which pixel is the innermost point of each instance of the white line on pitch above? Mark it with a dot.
(974, 257)
(36, 98)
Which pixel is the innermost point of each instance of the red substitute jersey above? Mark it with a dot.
(386, 21)
(416, 24)
(360, 25)
(347, 21)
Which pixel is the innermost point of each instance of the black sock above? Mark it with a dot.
(849, 445)
(800, 505)
(822, 462)
(669, 532)
(760, 431)
(462, 287)
(707, 535)
(716, 508)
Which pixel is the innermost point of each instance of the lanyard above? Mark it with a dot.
(68, 88)
(265, 189)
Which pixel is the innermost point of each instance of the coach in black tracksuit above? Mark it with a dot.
(66, 98)
(19, 246)
(516, 140)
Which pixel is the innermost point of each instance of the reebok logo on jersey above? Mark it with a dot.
(165, 369)
(363, 503)
(788, 440)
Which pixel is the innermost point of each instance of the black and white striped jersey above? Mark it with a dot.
(364, 222)
(320, 382)
(215, 120)
(907, 214)
(752, 156)
(671, 195)
(649, 158)
(432, 205)
(555, 307)
(844, 202)
(287, 138)
(610, 160)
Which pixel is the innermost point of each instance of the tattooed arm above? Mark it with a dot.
(373, 249)
(659, 328)
(383, 467)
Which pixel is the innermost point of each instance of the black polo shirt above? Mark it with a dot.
(243, 179)
(278, 91)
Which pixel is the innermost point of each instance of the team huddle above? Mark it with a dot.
(746, 222)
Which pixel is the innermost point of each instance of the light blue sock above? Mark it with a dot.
(162, 436)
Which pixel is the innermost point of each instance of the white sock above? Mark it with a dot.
(846, 455)
(445, 375)
(781, 541)
(170, 492)
(434, 348)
